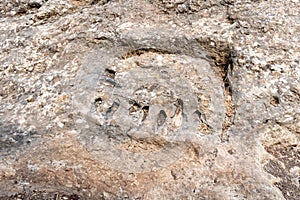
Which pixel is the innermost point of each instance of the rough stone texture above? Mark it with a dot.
(149, 99)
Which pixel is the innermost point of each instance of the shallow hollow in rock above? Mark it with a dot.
(143, 99)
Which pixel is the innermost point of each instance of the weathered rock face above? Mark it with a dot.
(149, 99)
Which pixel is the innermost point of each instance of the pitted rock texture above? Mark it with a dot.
(150, 92)
(149, 99)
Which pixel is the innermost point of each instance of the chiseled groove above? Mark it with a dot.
(141, 51)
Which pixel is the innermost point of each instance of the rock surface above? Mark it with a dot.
(149, 99)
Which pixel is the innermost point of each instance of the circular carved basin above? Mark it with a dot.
(143, 99)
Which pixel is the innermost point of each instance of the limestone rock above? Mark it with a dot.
(149, 99)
